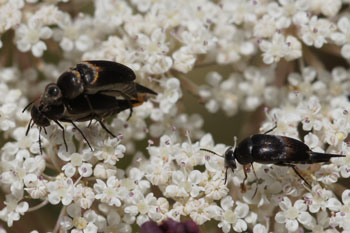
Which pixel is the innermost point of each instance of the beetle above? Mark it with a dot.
(271, 149)
(77, 110)
(95, 77)
(90, 90)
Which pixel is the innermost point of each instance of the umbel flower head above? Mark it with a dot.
(220, 69)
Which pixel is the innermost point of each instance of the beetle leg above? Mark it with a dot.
(63, 135)
(89, 123)
(257, 182)
(41, 149)
(226, 175)
(28, 128)
(81, 134)
(105, 128)
(125, 96)
(273, 128)
(90, 106)
(243, 188)
(301, 177)
(295, 170)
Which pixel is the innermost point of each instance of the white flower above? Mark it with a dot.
(143, 207)
(259, 228)
(28, 37)
(114, 221)
(239, 12)
(291, 214)
(184, 59)
(108, 192)
(328, 174)
(220, 93)
(344, 163)
(342, 216)
(23, 143)
(329, 8)
(198, 39)
(84, 196)
(35, 186)
(79, 223)
(233, 218)
(154, 52)
(316, 31)
(265, 27)
(8, 111)
(172, 93)
(317, 199)
(294, 48)
(184, 185)
(198, 210)
(77, 160)
(17, 171)
(256, 89)
(13, 210)
(216, 189)
(142, 5)
(110, 14)
(74, 34)
(110, 151)
(290, 9)
(104, 171)
(135, 181)
(232, 44)
(275, 50)
(61, 190)
(343, 37)
(323, 222)
(310, 111)
(10, 16)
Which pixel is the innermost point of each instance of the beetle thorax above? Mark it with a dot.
(243, 152)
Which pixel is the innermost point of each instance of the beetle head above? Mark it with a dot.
(39, 117)
(51, 96)
(230, 158)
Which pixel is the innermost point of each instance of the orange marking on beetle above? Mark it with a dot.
(96, 70)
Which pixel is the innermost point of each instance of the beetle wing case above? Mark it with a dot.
(279, 149)
(110, 72)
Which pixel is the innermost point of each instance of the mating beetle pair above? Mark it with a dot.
(271, 149)
(89, 91)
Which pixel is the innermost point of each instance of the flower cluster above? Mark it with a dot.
(287, 60)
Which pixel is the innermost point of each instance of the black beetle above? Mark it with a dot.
(78, 109)
(88, 91)
(94, 77)
(271, 149)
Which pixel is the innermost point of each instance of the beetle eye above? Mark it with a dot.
(53, 91)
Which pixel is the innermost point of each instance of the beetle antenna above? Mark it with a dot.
(210, 151)
(234, 143)
(28, 105)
